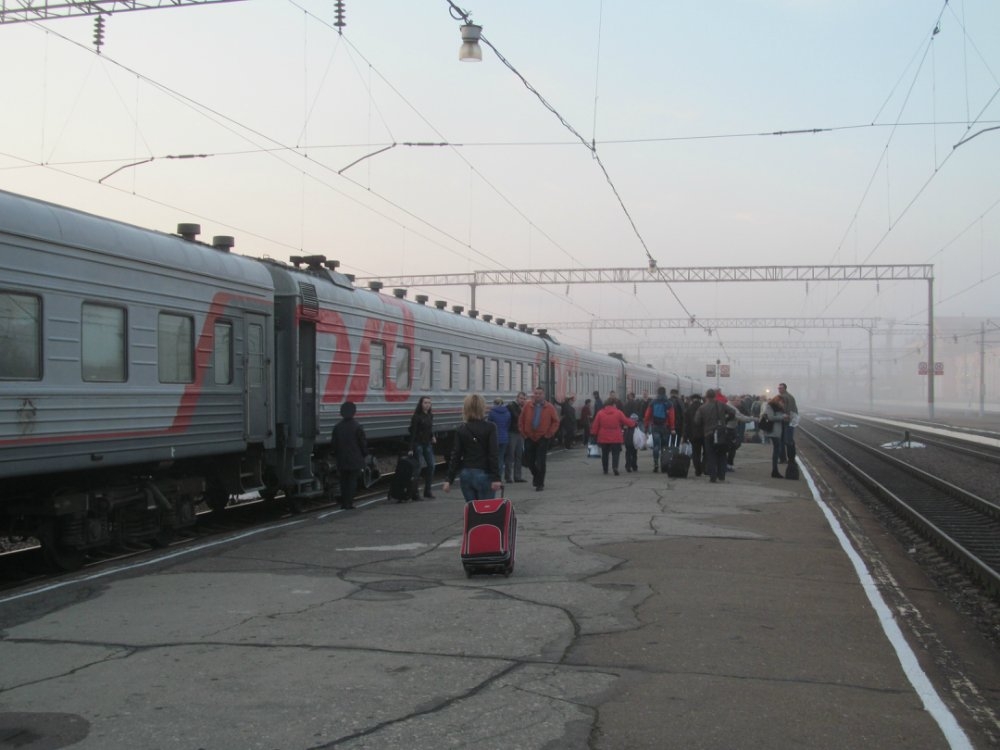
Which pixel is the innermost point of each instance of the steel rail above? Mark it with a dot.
(982, 570)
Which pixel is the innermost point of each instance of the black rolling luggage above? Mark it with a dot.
(676, 462)
(668, 449)
(404, 484)
(488, 537)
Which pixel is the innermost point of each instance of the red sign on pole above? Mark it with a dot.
(724, 371)
(922, 368)
(939, 368)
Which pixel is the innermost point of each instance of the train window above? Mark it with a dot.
(479, 375)
(401, 367)
(518, 377)
(445, 371)
(20, 336)
(463, 372)
(102, 343)
(222, 353)
(376, 376)
(175, 348)
(426, 372)
(505, 381)
(492, 372)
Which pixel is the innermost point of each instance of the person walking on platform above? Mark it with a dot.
(474, 458)
(539, 424)
(586, 415)
(694, 436)
(422, 440)
(659, 421)
(607, 428)
(675, 399)
(500, 416)
(349, 449)
(710, 420)
(771, 425)
(512, 468)
(631, 453)
(568, 422)
(791, 416)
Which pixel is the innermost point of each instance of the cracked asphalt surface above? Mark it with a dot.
(642, 613)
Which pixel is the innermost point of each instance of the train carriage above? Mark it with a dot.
(130, 361)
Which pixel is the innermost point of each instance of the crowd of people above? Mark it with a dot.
(493, 445)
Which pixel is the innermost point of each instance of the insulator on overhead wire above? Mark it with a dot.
(338, 11)
(99, 33)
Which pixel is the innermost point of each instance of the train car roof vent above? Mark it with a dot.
(223, 242)
(440, 304)
(543, 332)
(487, 317)
(617, 355)
(189, 232)
(529, 329)
(350, 277)
(315, 262)
(512, 324)
(473, 313)
(375, 285)
(399, 293)
(457, 309)
(501, 321)
(333, 265)
(422, 299)
(522, 326)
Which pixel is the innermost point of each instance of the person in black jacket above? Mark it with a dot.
(422, 440)
(512, 468)
(474, 457)
(349, 448)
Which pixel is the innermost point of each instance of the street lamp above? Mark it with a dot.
(470, 51)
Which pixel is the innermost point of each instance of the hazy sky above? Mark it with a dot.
(681, 99)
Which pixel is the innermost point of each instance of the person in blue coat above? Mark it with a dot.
(499, 415)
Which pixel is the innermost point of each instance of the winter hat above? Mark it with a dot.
(348, 409)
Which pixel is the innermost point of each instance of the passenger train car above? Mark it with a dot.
(144, 372)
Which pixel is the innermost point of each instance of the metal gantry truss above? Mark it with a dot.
(710, 324)
(19, 11)
(658, 275)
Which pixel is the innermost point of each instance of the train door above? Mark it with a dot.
(255, 361)
(307, 379)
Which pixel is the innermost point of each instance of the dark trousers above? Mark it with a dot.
(715, 458)
(512, 461)
(348, 486)
(698, 455)
(615, 449)
(775, 453)
(631, 456)
(535, 453)
(787, 439)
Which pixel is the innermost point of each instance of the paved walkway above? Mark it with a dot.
(643, 613)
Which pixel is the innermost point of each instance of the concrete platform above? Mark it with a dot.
(644, 612)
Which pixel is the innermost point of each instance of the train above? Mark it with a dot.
(143, 373)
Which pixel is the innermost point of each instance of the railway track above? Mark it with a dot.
(936, 500)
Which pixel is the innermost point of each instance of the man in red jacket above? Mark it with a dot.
(538, 423)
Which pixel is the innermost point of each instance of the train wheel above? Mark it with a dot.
(58, 556)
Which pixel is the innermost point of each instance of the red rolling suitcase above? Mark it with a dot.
(488, 538)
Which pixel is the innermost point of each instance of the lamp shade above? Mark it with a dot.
(470, 51)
